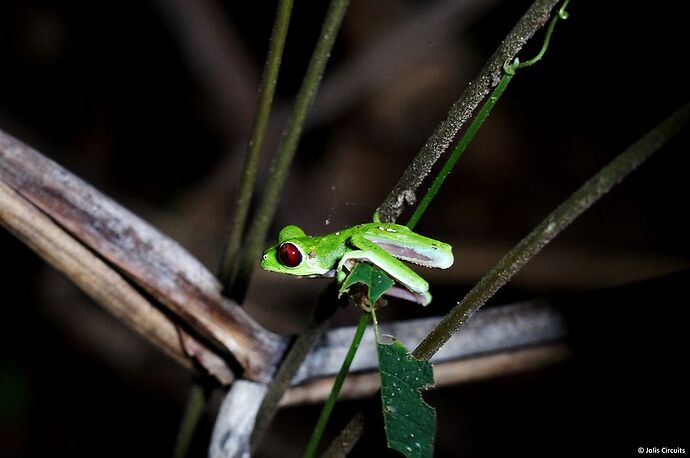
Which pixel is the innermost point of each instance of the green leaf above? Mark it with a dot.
(410, 422)
(375, 280)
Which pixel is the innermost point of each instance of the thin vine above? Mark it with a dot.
(317, 433)
(404, 192)
(484, 112)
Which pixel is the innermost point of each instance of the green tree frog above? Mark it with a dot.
(381, 244)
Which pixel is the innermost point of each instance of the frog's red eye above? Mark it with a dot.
(289, 255)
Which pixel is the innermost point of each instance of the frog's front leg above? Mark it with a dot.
(396, 269)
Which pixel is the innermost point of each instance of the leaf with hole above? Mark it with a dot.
(376, 281)
(409, 421)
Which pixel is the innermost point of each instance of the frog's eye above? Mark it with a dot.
(289, 255)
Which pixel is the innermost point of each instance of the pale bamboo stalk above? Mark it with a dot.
(482, 367)
(103, 284)
(152, 260)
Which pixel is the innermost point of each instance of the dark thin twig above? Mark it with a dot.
(286, 151)
(550, 227)
(510, 264)
(348, 437)
(405, 190)
(256, 140)
(293, 360)
(337, 384)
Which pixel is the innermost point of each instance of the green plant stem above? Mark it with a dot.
(288, 146)
(405, 189)
(550, 227)
(582, 199)
(256, 140)
(196, 400)
(333, 396)
(375, 323)
(459, 149)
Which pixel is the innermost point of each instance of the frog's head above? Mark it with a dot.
(293, 254)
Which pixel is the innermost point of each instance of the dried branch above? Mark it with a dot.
(494, 330)
(103, 284)
(488, 341)
(155, 262)
(448, 373)
(499, 341)
(64, 196)
(235, 420)
(405, 190)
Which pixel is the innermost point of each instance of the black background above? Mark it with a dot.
(108, 90)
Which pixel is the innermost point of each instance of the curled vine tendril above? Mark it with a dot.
(510, 68)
